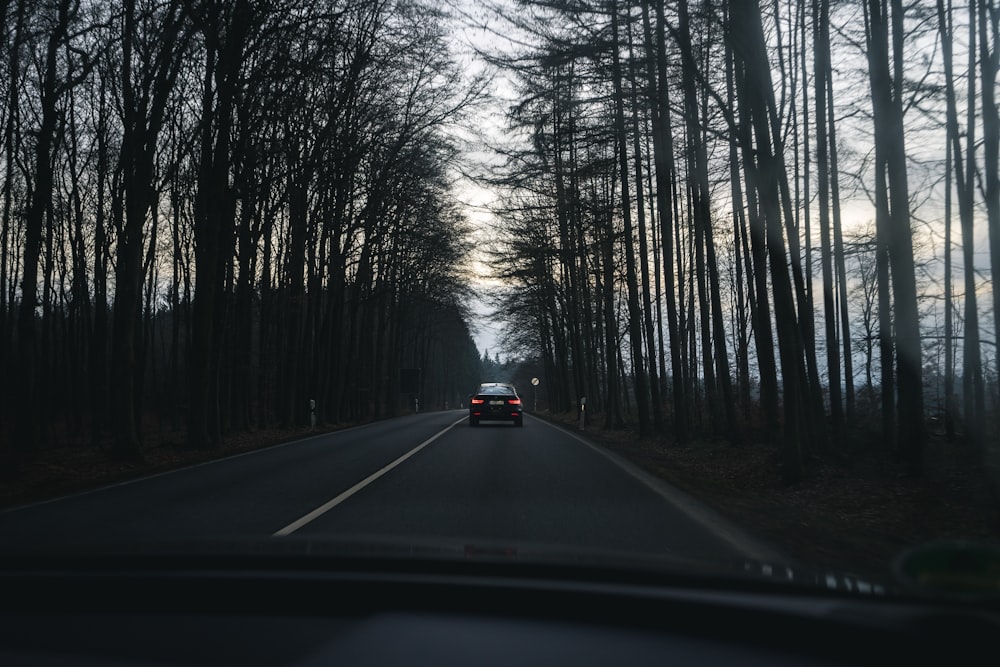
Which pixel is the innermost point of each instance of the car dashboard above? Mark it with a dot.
(268, 610)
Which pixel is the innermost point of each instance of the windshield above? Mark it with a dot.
(258, 258)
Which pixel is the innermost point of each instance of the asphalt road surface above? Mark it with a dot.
(423, 478)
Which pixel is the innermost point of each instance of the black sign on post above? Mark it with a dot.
(409, 381)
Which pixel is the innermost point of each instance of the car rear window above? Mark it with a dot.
(496, 390)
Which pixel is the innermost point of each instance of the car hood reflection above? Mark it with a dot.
(451, 556)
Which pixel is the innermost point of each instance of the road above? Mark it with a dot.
(427, 477)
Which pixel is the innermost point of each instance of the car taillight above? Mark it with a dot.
(514, 401)
(478, 401)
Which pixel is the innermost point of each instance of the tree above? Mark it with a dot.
(764, 175)
(893, 226)
(56, 79)
(151, 62)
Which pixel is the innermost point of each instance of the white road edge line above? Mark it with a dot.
(326, 507)
(720, 526)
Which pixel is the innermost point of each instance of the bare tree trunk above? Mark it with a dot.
(144, 112)
(665, 170)
(895, 232)
(28, 389)
(949, 316)
(640, 197)
(635, 311)
(613, 416)
(745, 289)
(821, 40)
(953, 166)
(225, 30)
(8, 257)
(99, 344)
(753, 80)
(760, 306)
(838, 250)
(989, 65)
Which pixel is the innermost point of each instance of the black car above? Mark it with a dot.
(496, 401)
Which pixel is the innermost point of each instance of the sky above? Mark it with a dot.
(476, 199)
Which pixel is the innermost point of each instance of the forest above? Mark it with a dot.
(218, 214)
(775, 221)
(768, 221)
